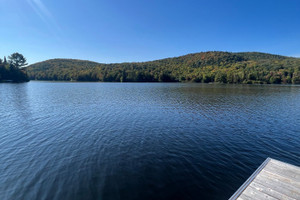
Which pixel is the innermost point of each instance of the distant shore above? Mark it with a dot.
(204, 67)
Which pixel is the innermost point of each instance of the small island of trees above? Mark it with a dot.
(12, 69)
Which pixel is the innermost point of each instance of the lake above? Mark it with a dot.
(63, 140)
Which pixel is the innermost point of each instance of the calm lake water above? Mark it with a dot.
(141, 140)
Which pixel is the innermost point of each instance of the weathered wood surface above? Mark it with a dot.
(272, 180)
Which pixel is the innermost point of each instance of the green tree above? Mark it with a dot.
(220, 77)
(296, 78)
(17, 60)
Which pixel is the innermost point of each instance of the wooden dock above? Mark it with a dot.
(272, 180)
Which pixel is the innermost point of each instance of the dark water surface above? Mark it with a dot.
(141, 140)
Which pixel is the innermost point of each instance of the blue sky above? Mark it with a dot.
(109, 31)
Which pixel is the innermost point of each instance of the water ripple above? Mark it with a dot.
(141, 141)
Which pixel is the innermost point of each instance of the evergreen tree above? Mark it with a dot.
(11, 72)
(17, 60)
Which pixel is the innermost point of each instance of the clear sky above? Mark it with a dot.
(109, 31)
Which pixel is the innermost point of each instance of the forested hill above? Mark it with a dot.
(223, 67)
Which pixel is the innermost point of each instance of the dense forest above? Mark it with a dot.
(222, 67)
(11, 70)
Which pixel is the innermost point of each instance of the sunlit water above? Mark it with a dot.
(141, 140)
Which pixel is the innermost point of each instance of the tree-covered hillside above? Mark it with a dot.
(223, 67)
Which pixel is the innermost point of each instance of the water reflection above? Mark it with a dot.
(141, 140)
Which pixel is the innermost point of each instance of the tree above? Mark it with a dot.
(220, 77)
(17, 60)
(8, 72)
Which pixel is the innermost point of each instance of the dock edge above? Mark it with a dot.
(249, 180)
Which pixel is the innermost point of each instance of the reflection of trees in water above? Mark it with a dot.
(19, 99)
(211, 100)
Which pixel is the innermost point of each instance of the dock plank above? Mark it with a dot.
(256, 194)
(279, 179)
(272, 180)
(288, 166)
(244, 197)
(270, 191)
(286, 189)
(283, 171)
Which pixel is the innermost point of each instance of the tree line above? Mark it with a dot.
(11, 69)
(205, 67)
